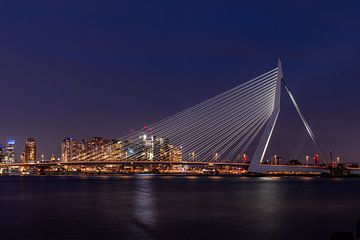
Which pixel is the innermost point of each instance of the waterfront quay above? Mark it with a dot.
(168, 167)
(123, 167)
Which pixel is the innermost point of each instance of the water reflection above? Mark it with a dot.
(149, 207)
(215, 178)
(191, 177)
(144, 212)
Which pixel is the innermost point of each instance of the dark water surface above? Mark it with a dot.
(153, 207)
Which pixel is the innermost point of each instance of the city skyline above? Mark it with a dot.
(72, 76)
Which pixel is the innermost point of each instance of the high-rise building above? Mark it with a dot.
(1, 154)
(10, 152)
(68, 149)
(30, 150)
(117, 152)
(94, 149)
(129, 149)
(95, 144)
(149, 148)
(175, 153)
(146, 147)
(161, 149)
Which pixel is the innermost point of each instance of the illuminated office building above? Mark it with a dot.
(1, 154)
(94, 149)
(68, 149)
(143, 148)
(30, 150)
(175, 153)
(10, 152)
(146, 147)
(161, 149)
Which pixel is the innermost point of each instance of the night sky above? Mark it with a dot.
(100, 68)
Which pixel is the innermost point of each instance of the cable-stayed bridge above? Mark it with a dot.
(220, 130)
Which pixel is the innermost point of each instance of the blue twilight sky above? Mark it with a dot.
(99, 68)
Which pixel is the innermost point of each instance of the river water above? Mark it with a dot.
(163, 207)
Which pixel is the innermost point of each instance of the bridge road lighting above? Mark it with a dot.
(307, 160)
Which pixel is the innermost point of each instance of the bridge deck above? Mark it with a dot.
(121, 162)
(267, 168)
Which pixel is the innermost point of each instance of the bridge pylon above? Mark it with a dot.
(258, 157)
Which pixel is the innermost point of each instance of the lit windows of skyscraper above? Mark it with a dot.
(68, 149)
(1, 154)
(161, 149)
(94, 149)
(175, 153)
(30, 150)
(10, 151)
(145, 148)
